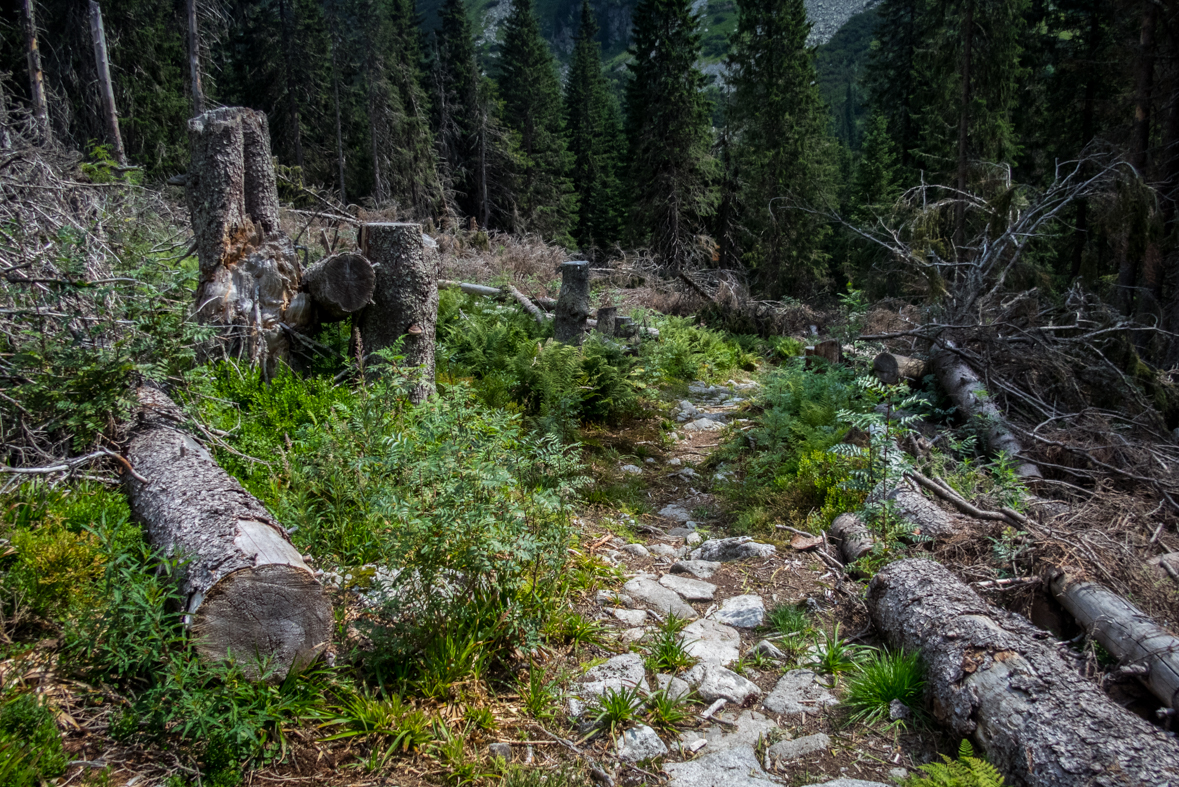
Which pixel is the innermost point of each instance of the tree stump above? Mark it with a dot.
(992, 675)
(340, 285)
(572, 303)
(248, 592)
(624, 327)
(890, 369)
(249, 273)
(607, 318)
(830, 351)
(405, 299)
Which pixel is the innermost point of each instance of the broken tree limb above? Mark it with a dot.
(1128, 633)
(472, 289)
(340, 285)
(967, 391)
(994, 676)
(572, 303)
(952, 497)
(248, 592)
(854, 539)
(890, 369)
(525, 304)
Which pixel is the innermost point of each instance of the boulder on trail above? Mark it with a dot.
(724, 550)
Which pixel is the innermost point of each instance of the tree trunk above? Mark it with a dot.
(292, 100)
(36, 75)
(853, 537)
(970, 395)
(339, 125)
(5, 122)
(964, 130)
(405, 301)
(194, 59)
(891, 369)
(340, 285)
(249, 273)
(927, 516)
(105, 89)
(992, 675)
(527, 305)
(830, 350)
(607, 315)
(572, 303)
(248, 593)
(1129, 634)
(624, 327)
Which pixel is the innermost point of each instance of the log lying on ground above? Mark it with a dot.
(890, 369)
(992, 675)
(928, 517)
(1128, 633)
(852, 536)
(340, 285)
(248, 592)
(405, 299)
(526, 304)
(967, 391)
(572, 303)
(472, 289)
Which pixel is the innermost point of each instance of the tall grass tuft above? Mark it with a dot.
(880, 679)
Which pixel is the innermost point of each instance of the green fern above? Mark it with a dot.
(966, 771)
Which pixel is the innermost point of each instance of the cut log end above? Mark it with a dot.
(341, 284)
(891, 369)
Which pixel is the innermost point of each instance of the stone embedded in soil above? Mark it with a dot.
(734, 767)
(675, 511)
(631, 469)
(844, 782)
(713, 682)
(621, 672)
(689, 589)
(674, 461)
(614, 597)
(640, 743)
(655, 595)
(673, 687)
(711, 642)
(697, 568)
(638, 550)
(703, 425)
(663, 550)
(692, 539)
(632, 635)
(735, 548)
(783, 751)
(631, 617)
(747, 612)
(767, 649)
(750, 728)
(798, 691)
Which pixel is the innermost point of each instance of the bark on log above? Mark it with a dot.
(929, 518)
(525, 304)
(970, 395)
(1128, 633)
(472, 289)
(248, 592)
(992, 675)
(249, 273)
(36, 74)
(890, 369)
(607, 315)
(854, 539)
(405, 302)
(340, 285)
(572, 303)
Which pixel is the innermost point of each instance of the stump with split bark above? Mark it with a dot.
(248, 592)
(992, 675)
(890, 369)
(405, 299)
(572, 303)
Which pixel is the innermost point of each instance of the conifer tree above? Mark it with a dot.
(457, 108)
(545, 201)
(595, 140)
(892, 77)
(875, 181)
(784, 145)
(668, 131)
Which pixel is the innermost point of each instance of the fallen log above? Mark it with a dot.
(526, 304)
(248, 593)
(967, 391)
(472, 289)
(830, 351)
(853, 537)
(1129, 634)
(992, 675)
(927, 517)
(948, 494)
(340, 285)
(890, 369)
(572, 303)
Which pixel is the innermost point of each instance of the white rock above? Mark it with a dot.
(697, 568)
(767, 649)
(675, 688)
(631, 469)
(845, 782)
(640, 743)
(703, 425)
(638, 550)
(711, 642)
(631, 617)
(748, 730)
(735, 767)
(689, 589)
(663, 550)
(747, 612)
(736, 548)
(649, 460)
(614, 597)
(798, 691)
(712, 682)
(674, 461)
(655, 595)
(692, 539)
(784, 751)
(676, 512)
(621, 672)
(632, 635)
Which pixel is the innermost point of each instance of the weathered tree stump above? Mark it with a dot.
(992, 675)
(830, 351)
(624, 327)
(1128, 633)
(853, 537)
(607, 317)
(890, 369)
(405, 300)
(248, 592)
(340, 285)
(572, 303)
(249, 273)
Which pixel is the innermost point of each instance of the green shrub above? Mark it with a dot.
(881, 678)
(30, 745)
(686, 352)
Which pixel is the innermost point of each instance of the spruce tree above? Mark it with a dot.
(892, 77)
(875, 180)
(457, 109)
(595, 140)
(668, 128)
(784, 145)
(545, 201)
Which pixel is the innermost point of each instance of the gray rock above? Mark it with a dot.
(631, 469)
(736, 548)
(632, 635)
(798, 691)
(621, 672)
(675, 688)
(783, 751)
(767, 649)
(733, 767)
(750, 727)
(680, 532)
(675, 511)
(692, 539)
(697, 568)
(688, 473)
(747, 612)
(898, 774)
(689, 589)
(614, 597)
(655, 595)
(638, 550)
(631, 617)
(663, 550)
(639, 743)
(899, 711)
(501, 750)
(674, 461)
(712, 642)
(703, 425)
(848, 783)
(713, 682)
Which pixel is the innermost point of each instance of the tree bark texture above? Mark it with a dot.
(1128, 633)
(607, 315)
(970, 395)
(966, 73)
(105, 88)
(249, 274)
(572, 303)
(248, 592)
(405, 301)
(340, 285)
(992, 675)
(890, 369)
(624, 327)
(852, 536)
(36, 75)
(830, 350)
(194, 58)
(929, 518)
